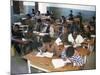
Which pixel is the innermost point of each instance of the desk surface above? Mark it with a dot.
(83, 51)
(46, 64)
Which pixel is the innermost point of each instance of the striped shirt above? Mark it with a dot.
(76, 59)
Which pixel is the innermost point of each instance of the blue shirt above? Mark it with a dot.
(76, 59)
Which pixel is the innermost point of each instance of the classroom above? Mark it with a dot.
(52, 37)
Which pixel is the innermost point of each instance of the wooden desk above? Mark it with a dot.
(89, 44)
(83, 51)
(45, 64)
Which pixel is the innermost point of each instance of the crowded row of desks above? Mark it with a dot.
(49, 35)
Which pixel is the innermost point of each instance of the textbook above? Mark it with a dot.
(44, 54)
(58, 63)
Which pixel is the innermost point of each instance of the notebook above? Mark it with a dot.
(58, 63)
(58, 41)
(46, 54)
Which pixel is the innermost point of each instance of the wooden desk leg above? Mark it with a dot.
(90, 47)
(29, 66)
(85, 59)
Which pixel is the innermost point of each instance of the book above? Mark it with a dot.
(46, 54)
(58, 63)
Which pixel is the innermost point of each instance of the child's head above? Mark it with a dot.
(69, 52)
(39, 20)
(28, 16)
(46, 39)
(16, 28)
(74, 34)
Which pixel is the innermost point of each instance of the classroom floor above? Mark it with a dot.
(19, 65)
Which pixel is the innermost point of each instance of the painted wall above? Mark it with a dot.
(58, 12)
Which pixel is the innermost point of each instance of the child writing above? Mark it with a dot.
(72, 54)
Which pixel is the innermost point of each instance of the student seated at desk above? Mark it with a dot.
(52, 31)
(64, 35)
(93, 21)
(74, 26)
(71, 17)
(79, 15)
(72, 54)
(37, 15)
(48, 13)
(46, 26)
(87, 32)
(89, 35)
(39, 25)
(33, 12)
(57, 47)
(32, 42)
(46, 43)
(16, 35)
(92, 30)
(63, 19)
(75, 38)
(29, 22)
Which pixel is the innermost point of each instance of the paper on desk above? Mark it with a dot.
(24, 39)
(93, 36)
(57, 63)
(58, 41)
(67, 61)
(46, 54)
(18, 23)
(23, 18)
(41, 34)
(35, 32)
(39, 54)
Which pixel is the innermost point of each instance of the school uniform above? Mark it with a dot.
(16, 35)
(79, 39)
(76, 59)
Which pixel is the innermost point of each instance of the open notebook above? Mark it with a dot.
(57, 63)
(46, 54)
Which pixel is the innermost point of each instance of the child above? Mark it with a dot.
(16, 35)
(46, 45)
(71, 54)
(75, 38)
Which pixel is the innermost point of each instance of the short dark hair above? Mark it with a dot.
(39, 20)
(28, 15)
(46, 38)
(16, 26)
(69, 51)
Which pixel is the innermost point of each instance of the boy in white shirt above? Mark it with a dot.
(75, 39)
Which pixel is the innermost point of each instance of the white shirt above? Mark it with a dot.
(51, 31)
(79, 39)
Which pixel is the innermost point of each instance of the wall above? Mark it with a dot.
(65, 12)
(28, 6)
(60, 9)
